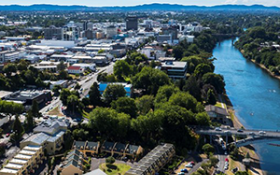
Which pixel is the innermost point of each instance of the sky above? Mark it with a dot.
(139, 2)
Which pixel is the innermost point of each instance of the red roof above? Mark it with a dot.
(74, 68)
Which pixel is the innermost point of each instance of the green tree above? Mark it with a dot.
(211, 98)
(22, 65)
(113, 92)
(213, 161)
(122, 69)
(29, 121)
(74, 104)
(126, 105)
(178, 52)
(109, 123)
(202, 119)
(145, 104)
(18, 129)
(216, 80)
(242, 173)
(208, 149)
(147, 126)
(77, 86)
(247, 155)
(101, 51)
(150, 80)
(193, 88)
(110, 160)
(9, 69)
(94, 95)
(202, 69)
(184, 100)
(56, 90)
(35, 109)
(165, 92)
(61, 66)
(174, 121)
(2, 149)
(64, 94)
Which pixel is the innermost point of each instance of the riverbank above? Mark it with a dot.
(266, 69)
(255, 168)
(262, 67)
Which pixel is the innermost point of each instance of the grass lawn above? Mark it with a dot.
(55, 111)
(114, 169)
(218, 104)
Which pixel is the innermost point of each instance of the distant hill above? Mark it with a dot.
(146, 7)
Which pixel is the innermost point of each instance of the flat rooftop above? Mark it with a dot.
(174, 64)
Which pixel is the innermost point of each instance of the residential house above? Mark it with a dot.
(108, 147)
(86, 147)
(154, 161)
(75, 70)
(73, 164)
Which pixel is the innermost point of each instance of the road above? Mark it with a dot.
(244, 133)
(85, 83)
(221, 156)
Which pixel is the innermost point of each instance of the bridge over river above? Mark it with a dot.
(250, 136)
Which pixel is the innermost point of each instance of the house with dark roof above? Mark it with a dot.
(108, 147)
(73, 163)
(119, 149)
(86, 147)
(217, 114)
(133, 150)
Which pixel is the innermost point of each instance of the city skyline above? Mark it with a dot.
(140, 2)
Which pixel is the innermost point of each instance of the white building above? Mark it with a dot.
(175, 69)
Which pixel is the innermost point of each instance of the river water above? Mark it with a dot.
(255, 96)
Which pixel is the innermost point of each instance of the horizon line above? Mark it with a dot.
(69, 5)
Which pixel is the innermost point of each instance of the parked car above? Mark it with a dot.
(184, 170)
(239, 130)
(251, 133)
(8, 134)
(227, 131)
(262, 132)
(181, 173)
(189, 165)
(218, 129)
(234, 170)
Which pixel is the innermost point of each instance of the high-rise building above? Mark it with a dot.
(85, 26)
(131, 23)
(53, 33)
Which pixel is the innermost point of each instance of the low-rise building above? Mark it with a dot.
(217, 114)
(174, 69)
(86, 147)
(49, 134)
(25, 162)
(26, 97)
(154, 161)
(75, 70)
(73, 164)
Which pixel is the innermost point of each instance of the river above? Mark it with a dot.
(255, 96)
